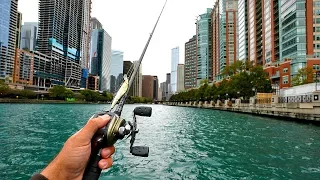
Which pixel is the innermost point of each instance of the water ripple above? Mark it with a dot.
(184, 144)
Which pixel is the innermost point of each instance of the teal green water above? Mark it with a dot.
(184, 143)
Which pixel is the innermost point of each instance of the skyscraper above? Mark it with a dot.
(243, 29)
(180, 78)
(95, 23)
(18, 30)
(232, 32)
(62, 25)
(190, 63)
(168, 86)
(298, 37)
(85, 33)
(136, 88)
(204, 47)
(174, 66)
(8, 27)
(255, 36)
(270, 32)
(116, 71)
(100, 57)
(225, 35)
(215, 41)
(29, 32)
(150, 87)
(163, 90)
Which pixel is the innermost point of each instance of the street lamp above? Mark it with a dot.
(254, 90)
(227, 95)
(238, 94)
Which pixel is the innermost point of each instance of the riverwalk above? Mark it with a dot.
(297, 108)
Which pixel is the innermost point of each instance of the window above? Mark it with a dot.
(316, 67)
(285, 79)
(316, 29)
(285, 70)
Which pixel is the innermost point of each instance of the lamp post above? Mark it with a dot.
(254, 90)
(227, 96)
(238, 94)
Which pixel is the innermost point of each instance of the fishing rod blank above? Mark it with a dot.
(118, 128)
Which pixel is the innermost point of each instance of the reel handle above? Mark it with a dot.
(104, 137)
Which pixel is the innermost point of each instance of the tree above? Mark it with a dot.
(68, 93)
(260, 80)
(28, 94)
(90, 95)
(4, 88)
(60, 93)
(304, 76)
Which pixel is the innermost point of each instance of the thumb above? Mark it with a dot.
(92, 127)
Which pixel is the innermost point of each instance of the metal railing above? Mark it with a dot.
(296, 99)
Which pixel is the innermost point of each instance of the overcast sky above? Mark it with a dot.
(130, 22)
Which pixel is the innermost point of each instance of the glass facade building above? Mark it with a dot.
(222, 35)
(8, 31)
(63, 35)
(5, 22)
(29, 32)
(116, 71)
(204, 47)
(293, 44)
(100, 57)
(174, 66)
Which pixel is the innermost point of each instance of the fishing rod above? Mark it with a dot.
(118, 128)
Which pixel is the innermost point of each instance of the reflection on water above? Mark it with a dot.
(184, 143)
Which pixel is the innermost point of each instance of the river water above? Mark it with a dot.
(184, 143)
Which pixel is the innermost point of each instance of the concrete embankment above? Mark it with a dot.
(291, 111)
(35, 101)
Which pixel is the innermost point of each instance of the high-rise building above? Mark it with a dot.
(299, 40)
(174, 65)
(147, 86)
(93, 82)
(190, 76)
(62, 36)
(159, 94)
(95, 23)
(18, 30)
(204, 47)
(255, 36)
(168, 86)
(163, 87)
(128, 68)
(155, 87)
(150, 87)
(23, 67)
(180, 78)
(85, 33)
(232, 32)
(8, 27)
(215, 42)
(243, 29)
(222, 37)
(29, 32)
(270, 33)
(225, 29)
(116, 71)
(100, 57)
(136, 88)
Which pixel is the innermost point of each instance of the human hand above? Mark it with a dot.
(72, 160)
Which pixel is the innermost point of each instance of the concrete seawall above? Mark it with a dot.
(298, 111)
